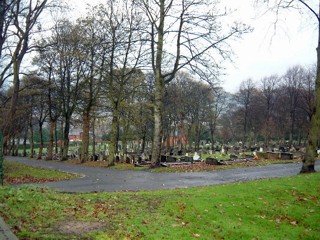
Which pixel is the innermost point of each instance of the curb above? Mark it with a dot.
(5, 232)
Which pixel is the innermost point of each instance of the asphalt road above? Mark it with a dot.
(110, 180)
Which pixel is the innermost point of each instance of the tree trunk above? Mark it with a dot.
(31, 141)
(125, 136)
(85, 137)
(61, 140)
(14, 101)
(56, 140)
(93, 137)
(24, 154)
(182, 135)
(113, 147)
(158, 111)
(292, 127)
(17, 147)
(41, 142)
(66, 139)
(212, 130)
(12, 147)
(314, 129)
(51, 140)
(143, 144)
(159, 88)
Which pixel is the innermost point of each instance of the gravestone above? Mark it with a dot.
(233, 156)
(171, 159)
(222, 150)
(163, 158)
(211, 161)
(286, 156)
(196, 157)
(273, 155)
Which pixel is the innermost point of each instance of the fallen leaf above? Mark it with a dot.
(145, 221)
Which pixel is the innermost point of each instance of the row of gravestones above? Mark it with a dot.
(233, 151)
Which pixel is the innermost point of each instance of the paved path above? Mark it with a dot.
(5, 231)
(104, 179)
(109, 180)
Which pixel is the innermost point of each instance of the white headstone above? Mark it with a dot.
(222, 150)
(196, 157)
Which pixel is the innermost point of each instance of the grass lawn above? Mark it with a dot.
(286, 208)
(20, 173)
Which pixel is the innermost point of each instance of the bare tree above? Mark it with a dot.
(46, 62)
(6, 18)
(217, 107)
(17, 25)
(292, 84)
(184, 33)
(269, 96)
(312, 8)
(68, 70)
(245, 98)
(123, 21)
(94, 45)
(308, 91)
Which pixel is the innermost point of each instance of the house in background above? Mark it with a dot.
(75, 134)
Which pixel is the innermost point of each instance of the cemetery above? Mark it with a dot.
(174, 157)
(159, 119)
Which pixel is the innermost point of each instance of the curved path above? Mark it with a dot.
(109, 180)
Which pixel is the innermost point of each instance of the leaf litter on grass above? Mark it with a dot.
(268, 209)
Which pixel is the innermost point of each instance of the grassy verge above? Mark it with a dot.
(20, 173)
(287, 208)
(197, 167)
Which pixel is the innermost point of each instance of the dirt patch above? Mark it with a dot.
(77, 228)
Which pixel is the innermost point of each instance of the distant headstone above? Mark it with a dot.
(286, 156)
(196, 157)
(163, 158)
(171, 159)
(233, 156)
(222, 150)
(211, 161)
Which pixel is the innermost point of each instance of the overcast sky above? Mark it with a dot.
(265, 51)
(268, 51)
